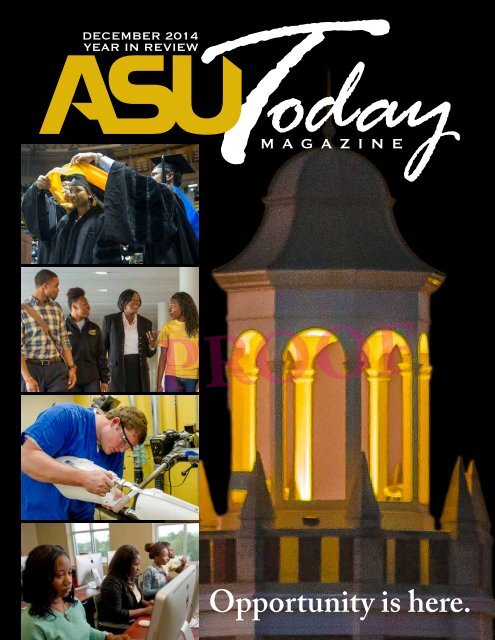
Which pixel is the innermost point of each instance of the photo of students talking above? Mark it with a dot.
(91, 329)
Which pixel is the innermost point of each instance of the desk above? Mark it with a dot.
(139, 633)
(85, 593)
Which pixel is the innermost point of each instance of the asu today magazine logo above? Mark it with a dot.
(235, 119)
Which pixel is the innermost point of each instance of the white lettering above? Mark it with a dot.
(213, 601)
(236, 139)
(278, 111)
(318, 106)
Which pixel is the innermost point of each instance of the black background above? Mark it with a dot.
(444, 215)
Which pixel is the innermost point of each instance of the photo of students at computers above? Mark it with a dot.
(87, 581)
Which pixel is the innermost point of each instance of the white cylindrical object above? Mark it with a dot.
(153, 504)
(80, 493)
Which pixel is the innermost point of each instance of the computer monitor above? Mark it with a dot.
(89, 569)
(173, 603)
(193, 614)
(110, 555)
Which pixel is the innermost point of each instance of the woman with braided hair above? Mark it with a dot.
(178, 339)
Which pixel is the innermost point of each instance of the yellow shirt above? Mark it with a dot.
(183, 352)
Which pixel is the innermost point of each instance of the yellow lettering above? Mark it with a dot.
(100, 108)
(231, 105)
(130, 93)
(172, 105)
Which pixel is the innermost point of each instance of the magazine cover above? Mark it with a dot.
(324, 173)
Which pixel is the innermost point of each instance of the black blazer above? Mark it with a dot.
(116, 600)
(113, 334)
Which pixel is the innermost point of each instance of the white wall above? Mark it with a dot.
(33, 404)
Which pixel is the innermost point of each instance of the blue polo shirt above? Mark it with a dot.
(63, 430)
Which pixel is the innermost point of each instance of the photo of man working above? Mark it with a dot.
(68, 429)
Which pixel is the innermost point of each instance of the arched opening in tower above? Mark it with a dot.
(388, 426)
(313, 417)
(245, 381)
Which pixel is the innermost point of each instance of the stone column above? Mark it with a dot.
(303, 433)
(405, 373)
(162, 313)
(424, 375)
(378, 398)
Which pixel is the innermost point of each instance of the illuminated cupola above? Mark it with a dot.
(328, 325)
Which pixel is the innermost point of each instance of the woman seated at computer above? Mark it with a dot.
(53, 612)
(161, 571)
(155, 576)
(121, 599)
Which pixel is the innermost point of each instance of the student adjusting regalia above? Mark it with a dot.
(140, 211)
(80, 237)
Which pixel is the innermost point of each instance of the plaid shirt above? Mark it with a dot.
(34, 341)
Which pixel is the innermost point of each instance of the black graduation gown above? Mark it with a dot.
(42, 213)
(82, 241)
(139, 210)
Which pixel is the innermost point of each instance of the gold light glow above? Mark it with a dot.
(244, 376)
(378, 349)
(299, 356)
(424, 420)
(329, 559)
(289, 559)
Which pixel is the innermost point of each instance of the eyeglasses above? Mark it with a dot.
(125, 438)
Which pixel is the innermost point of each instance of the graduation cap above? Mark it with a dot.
(176, 161)
(78, 180)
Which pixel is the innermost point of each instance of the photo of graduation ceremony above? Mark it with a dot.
(108, 580)
(110, 204)
(112, 329)
(124, 457)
